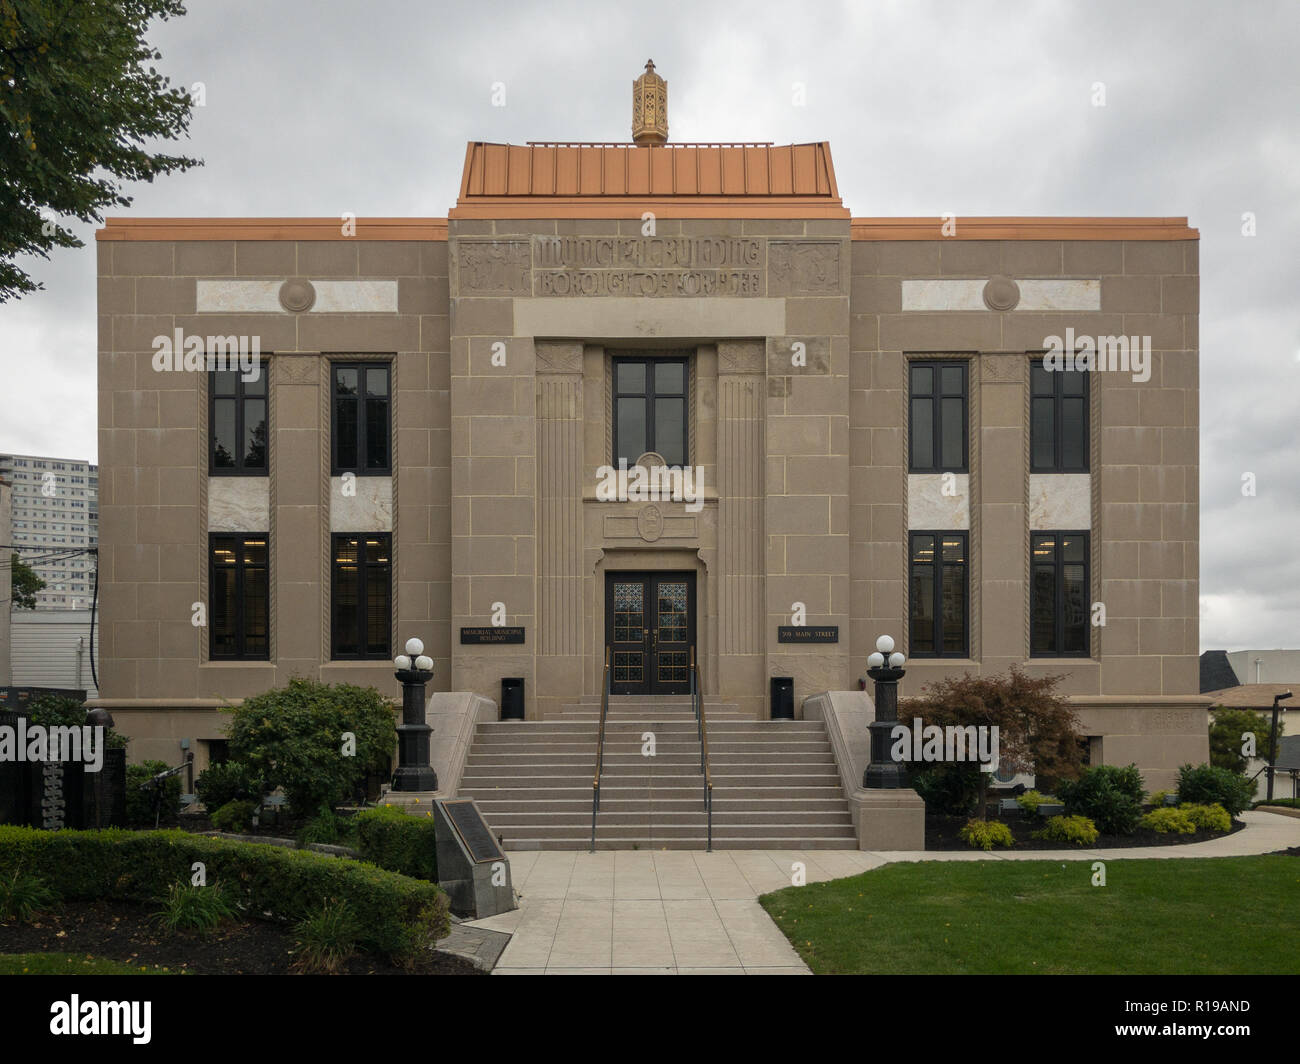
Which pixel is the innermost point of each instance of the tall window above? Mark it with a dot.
(650, 409)
(1058, 416)
(239, 617)
(1059, 607)
(362, 595)
(939, 595)
(937, 417)
(236, 423)
(362, 418)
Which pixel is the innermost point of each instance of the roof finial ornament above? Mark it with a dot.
(649, 108)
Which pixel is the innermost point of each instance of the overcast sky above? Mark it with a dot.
(315, 107)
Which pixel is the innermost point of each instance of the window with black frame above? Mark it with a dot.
(1058, 419)
(938, 595)
(937, 411)
(361, 428)
(237, 423)
(361, 595)
(1059, 609)
(239, 592)
(650, 409)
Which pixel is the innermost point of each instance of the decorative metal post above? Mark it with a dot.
(883, 772)
(413, 770)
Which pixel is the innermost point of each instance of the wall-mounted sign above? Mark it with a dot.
(808, 633)
(491, 634)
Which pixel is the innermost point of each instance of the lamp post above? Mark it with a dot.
(414, 773)
(885, 667)
(1272, 744)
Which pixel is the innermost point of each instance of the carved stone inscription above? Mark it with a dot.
(647, 266)
(493, 267)
(804, 268)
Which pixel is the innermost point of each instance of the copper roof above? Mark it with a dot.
(602, 180)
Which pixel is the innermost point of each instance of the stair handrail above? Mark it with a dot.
(702, 727)
(600, 751)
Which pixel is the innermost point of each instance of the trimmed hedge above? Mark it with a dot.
(398, 841)
(400, 916)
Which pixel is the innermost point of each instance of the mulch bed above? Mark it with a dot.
(123, 931)
(941, 834)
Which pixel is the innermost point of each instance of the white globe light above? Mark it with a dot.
(424, 664)
(875, 661)
(402, 662)
(415, 648)
(896, 660)
(885, 644)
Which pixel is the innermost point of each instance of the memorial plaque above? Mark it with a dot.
(476, 835)
(810, 633)
(491, 634)
(471, 867)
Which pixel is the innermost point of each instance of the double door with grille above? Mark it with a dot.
(650, 630)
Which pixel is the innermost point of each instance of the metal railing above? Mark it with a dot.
(702, 726)
(600, 751)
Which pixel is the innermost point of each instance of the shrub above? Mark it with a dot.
(23, 896)
(1031, 800)
(985, 834)
(1228, 729)
(1157, 798)
(186, 907)
(1211, 785)
(219, 784)
(1108, 795)
(1290, 803)
(1169, 820)
(1208, 817)
(139, 799)
(292, 737)
(392, 839)
(327, 938)
(324, 827)
(399, 916)
(235, 817)
(1076, 829)
(948, 790)
(53, 711)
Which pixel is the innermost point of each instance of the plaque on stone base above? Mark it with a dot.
(471, 867)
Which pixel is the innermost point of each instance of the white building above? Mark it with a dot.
(51, 648)
(55, 523)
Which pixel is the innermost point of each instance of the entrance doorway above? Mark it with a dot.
(650, 630)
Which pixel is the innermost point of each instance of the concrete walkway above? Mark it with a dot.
(680, 912)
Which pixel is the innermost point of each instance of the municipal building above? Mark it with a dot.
(668, 402)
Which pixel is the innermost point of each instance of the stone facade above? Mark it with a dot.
(797, 325)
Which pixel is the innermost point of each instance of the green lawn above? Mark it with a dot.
(1184, 916)
(69, 964)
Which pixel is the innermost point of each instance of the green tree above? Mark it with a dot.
(24, 583)
(79, 104)
(1037, 730)
(294, 737)
(1228, 731)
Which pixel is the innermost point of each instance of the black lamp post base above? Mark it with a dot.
(414, 778)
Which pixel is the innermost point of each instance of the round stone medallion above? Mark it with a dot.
(650, 523)
(1001, 293)
(297, 295)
